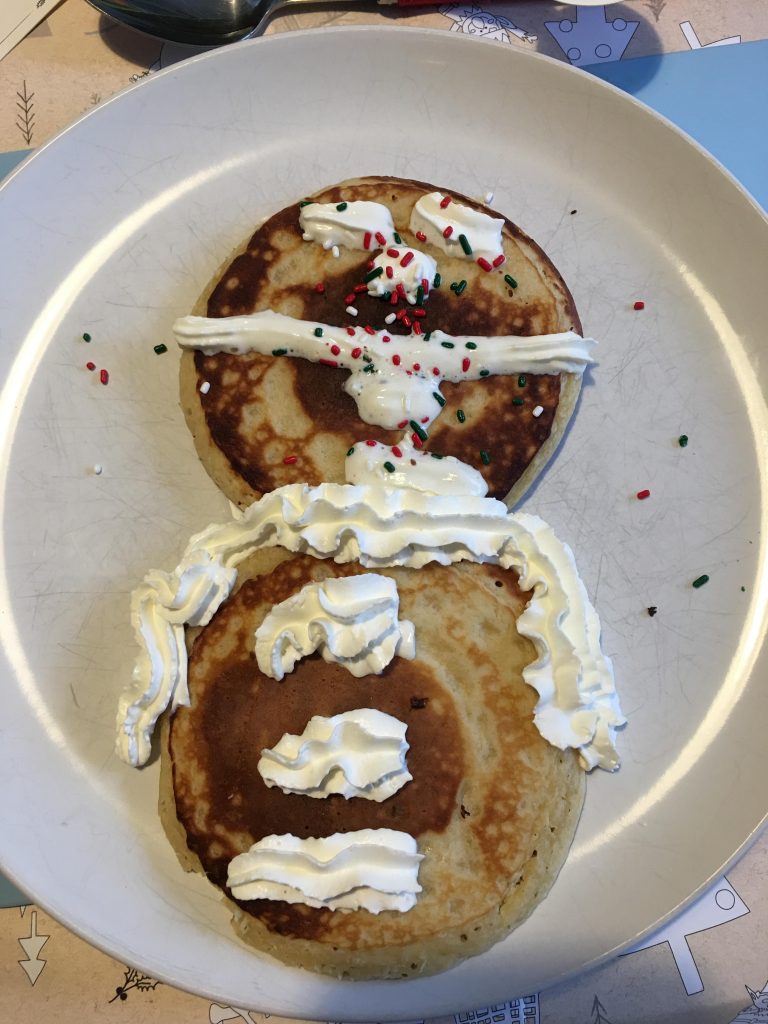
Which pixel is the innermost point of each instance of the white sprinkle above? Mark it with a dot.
(326, 244)
(308, 238)
(97, 469)
(390, 319)
(205, 387)
(335, 251)
(351, 310)
(489, 197)
(538, 411)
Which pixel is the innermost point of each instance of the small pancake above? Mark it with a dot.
(260, 410)
(492, 805)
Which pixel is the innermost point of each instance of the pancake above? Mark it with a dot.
(264, 422)
(492, 805)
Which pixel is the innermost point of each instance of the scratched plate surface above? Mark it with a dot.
(113, 228)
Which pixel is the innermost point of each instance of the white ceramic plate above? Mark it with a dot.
(114, 228)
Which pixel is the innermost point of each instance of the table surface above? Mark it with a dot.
(703, 64)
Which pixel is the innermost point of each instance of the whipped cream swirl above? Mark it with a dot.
(358, 753)
(373, 869)
(351, 621)
(380, 527)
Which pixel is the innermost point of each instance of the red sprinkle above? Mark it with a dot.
(349, 299)
(435, 371)
(290, 459)
(360, 288)
(408, 258)
(407, 322)
(425, 419)
(371, 444)
(351, 331)
(421, 236)
(90, 366)
(401, 314)
(483, 263)
(356, 353)
(335, 349)
(465, 363)
(417, 366)
(404, 423)
(417, 442)
(380, 238)
(104, 376)
(396, 359)
(639, 304)
(417, 328)
(394, 299)
(401, 289)
(389, 271)
(501, 258)
(444, 202)
(320, 288)
(368, 329)
(644, 494)
(386, 338)
(425, 285)
(328, 362)
(419, 311)
(371, 264)
(396, 452)
(367, 240)
(447, 232)
(393, 253)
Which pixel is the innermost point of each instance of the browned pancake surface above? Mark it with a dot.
(261, 410)
(492, 805)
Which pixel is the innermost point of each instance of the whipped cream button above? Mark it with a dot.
(348, 224)
(457, 229)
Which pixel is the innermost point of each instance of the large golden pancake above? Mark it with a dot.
(492, 805)
(260, 410)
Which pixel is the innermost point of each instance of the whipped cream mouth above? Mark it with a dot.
(383, 527)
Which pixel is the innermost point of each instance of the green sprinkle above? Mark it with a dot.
(368, 368)
(86, 336)
(460, 415)
(306, 202)
(436, 455)
(428, 335)
(160, 348)
(454, 285)
(438, 398)
(279, 351)
(522, 380)
(464, 243)
(517, 401)
(389, 467)
(485, 458)
(437, 281)
(460, 287)
(367, 358)
(341, 207)
(372, 274)
(470, 345)
(386, 296)
(510, 281)
(351, 450)
(397, 238)
(700, 581)
(447, 344)
(743, 590)
(682, 440)
(484, 373)
(318, 332)
(420, 295)
(418, 430)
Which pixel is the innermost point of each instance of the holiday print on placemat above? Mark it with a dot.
(472, 20)
(719, 906)
(32, 943)
(133, 979)
(221, 1014)
(598, 1013)
(517, 1011)
(592, 38)
(757, 1011)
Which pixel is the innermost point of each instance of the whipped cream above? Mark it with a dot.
(349, 224)
(444, 221)
(404, 465)
(393, 377)
(351, 621)
(358, 753)
(380, 527)
(372, 869)
(402, 265)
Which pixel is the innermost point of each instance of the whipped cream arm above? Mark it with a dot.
(351, 621)
(372, 869)
(355, 754)
(381, 527)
